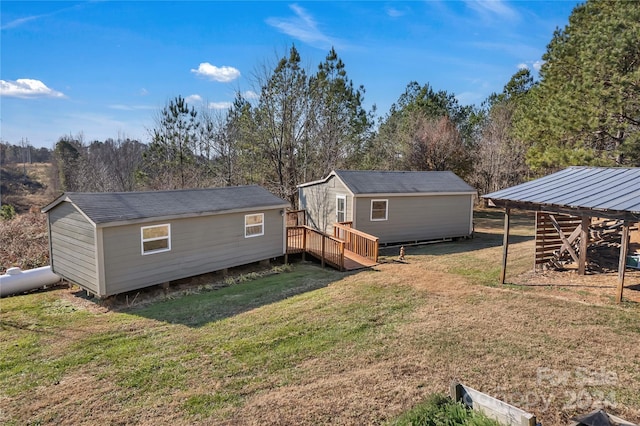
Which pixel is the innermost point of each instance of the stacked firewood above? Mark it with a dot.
(603, 252)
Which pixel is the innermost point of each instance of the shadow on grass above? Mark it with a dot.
(205, 307)
(489, 225)
(480, 241)
(493, 218)
(551, 285)
(627, 287)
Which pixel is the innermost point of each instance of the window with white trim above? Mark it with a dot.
(155, 238)
(379, 209)
(341, 208)
(253, 225)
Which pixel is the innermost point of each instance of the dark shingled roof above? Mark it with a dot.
(389, 182)
(597, 188)
(104, 207)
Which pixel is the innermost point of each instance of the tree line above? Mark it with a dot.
(584, 109)
(24, 152)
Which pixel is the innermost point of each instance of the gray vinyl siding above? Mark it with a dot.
(320, 203)
(198, 245)
(73, 249)
(417, 218)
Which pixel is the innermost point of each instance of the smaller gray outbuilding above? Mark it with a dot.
(110, 243)
(395, 206)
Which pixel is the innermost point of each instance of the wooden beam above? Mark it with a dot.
(622, 262)
(304, 243)
(535, 249)
(584, 245)
(505, 244)
(574, 211)
(566, 242)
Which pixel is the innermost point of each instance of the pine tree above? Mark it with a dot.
(586, 107)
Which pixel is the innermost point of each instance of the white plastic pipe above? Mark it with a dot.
(15, 280)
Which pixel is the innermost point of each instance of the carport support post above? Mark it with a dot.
(584, 244)
(622, 263)
(505, 244)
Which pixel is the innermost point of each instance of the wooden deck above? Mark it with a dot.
(328, 249)
(353, 261)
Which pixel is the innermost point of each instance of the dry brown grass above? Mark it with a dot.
(24, 242)
(30, 191)
(542, 348)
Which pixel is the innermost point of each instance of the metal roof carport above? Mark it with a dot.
(585, 192)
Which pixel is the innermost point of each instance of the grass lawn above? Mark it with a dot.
(316, 346)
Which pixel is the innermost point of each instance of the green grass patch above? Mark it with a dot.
(28, 326)
(202, 308)
(238, 340)
(439, 410)
(204, 405)
(477, 274)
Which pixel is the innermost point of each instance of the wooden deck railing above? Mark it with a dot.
(296, 239)
(304, 239)
(296, 217)
(356, 241)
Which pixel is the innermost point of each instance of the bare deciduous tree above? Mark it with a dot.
(500, 160)
(436, 144)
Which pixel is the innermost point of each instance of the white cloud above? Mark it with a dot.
(219, 105)
(26, 88)
(489, 8)
(250, 94)
(18, 22)
(193, 99)
(395, 13)
(302, 27)
(469, 98)
(223, 74)
(143, 92)
(536, 65)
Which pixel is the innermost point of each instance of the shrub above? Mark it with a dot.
(439, 410)
(24, 241)
(7, 212)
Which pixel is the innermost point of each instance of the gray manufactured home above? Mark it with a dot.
(395, 206)
(110, 243)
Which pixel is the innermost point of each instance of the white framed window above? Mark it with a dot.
(155, 238)
(253, 225)
(379, 209)
(341, 208)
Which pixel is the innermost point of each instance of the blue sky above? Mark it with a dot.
(106, 68)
